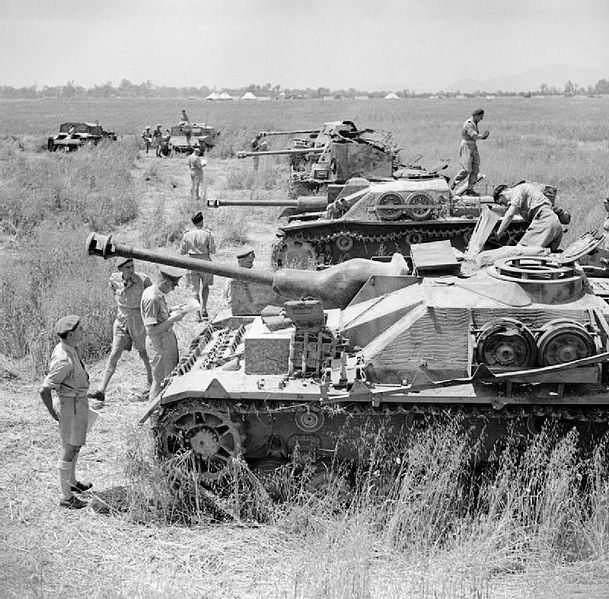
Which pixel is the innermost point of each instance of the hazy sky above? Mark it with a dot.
(422, 45)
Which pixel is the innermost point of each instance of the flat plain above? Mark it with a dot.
(124, 546)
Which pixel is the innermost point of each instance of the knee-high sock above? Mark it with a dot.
(73, 469)
(65, 472)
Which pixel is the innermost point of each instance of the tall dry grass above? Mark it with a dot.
(536, 503)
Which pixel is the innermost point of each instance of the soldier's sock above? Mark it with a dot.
(65, 472)
(73, 470)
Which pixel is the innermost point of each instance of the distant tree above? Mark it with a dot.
(602, 87)
(569, 87)
(543, 89)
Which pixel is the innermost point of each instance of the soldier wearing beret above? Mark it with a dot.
(198, 243)
(68, 377)
(161, 342)
(468, 152)
(128, 331)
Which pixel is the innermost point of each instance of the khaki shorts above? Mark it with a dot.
(129, 331)
(162, 354)
(73, 420)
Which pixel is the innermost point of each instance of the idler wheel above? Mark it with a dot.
(414, 237)
(506, 343)
(564, 341)
(384, 203)
(420, 206)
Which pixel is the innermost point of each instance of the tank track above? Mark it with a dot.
(401, 239)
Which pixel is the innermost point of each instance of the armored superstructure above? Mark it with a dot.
(524, 340)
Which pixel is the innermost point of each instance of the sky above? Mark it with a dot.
(421, 45)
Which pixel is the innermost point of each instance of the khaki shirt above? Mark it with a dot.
(196, 164)
(528, 199)
(67, 374)
(198, 243)
(128, 293)
(154, 307)
(470, 133)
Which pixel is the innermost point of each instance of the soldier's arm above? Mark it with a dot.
(47, 400)
(508, 217)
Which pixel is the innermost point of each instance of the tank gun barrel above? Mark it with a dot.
(302, 204)
(290, 152)
(335, 286)
(291, 132)
(105, 247)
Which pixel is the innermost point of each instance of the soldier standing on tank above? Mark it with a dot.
(161, 342)
(68, 377)
(199, 244)
(128, 331)
(545, 229)
(196, 164)
(468, 152)
(183, 118)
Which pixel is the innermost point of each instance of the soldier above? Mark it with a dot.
(199, 243)
(183, 118)
(245, 259)
(128, 331)
(147, 138)
(161, 342)
(545, 229)
(68, 377)
(468, 152)
(195, 164)
(156, 139)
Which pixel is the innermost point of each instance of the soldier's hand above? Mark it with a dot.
(54, 415)
(485, 134)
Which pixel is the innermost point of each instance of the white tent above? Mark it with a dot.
(213, 96)
(224, 96)
(248, 96)
(392, 96)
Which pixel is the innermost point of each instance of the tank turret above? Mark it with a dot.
(523, 341)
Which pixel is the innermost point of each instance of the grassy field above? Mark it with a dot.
(542, 526)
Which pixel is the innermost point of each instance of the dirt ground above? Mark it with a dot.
(100, 552)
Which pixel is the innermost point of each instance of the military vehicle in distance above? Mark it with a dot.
(371, 346)
(185, 137)
(334, 154)
(372, 220)
(74, 135)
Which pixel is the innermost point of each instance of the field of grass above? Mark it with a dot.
(536, 525)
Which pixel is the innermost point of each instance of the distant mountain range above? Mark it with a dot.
(555, 75)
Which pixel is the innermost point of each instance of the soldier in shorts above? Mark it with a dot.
(198, 243)
(129, 331)
(161, 342)
(68, 377)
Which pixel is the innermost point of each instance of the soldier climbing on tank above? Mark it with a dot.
(468, 152)
(527, 200)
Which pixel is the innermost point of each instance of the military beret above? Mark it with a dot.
(120, 262)
(66, 324)
(478, 112)
(171, 273)
(245, 253)
(197, 217)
